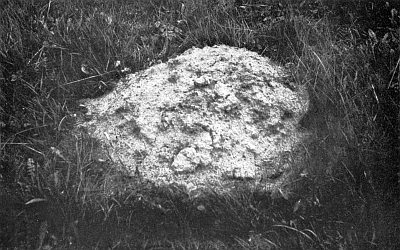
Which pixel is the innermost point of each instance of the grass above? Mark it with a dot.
(54, 195)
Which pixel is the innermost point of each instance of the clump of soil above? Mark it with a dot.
(213, 116)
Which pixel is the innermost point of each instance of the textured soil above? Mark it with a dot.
(215, 116)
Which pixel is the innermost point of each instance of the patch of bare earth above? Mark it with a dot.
(216, 116)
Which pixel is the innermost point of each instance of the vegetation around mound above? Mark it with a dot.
(54, 53)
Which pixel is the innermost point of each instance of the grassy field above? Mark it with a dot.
(53, 195)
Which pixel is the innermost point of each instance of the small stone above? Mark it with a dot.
(201, 208)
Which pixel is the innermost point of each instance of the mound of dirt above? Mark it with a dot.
(216, 116)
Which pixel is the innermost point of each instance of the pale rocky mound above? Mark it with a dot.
(214, 117)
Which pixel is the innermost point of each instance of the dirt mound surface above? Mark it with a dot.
(213, 116)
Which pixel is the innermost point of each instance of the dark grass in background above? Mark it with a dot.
(54, 53)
